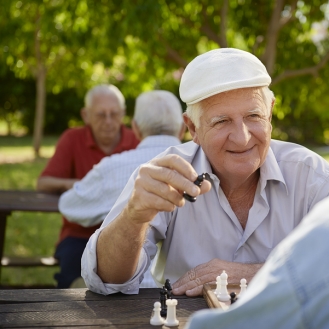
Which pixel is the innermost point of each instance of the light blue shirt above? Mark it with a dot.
(291, 291)
(292, 180)
(90, 199)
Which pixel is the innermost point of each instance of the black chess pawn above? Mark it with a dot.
(169, 288)
(233, 297)
(197, 182)
(163, 298)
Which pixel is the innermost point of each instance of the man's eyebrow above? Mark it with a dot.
(217, 118)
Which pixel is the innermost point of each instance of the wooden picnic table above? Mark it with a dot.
(23, 201)
(73, 308)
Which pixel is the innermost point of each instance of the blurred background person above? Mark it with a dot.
(77, 151)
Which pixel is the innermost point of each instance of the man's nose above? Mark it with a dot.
(240, 133)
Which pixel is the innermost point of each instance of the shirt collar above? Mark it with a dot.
(270, 170)
(158, 141)
(90, 138)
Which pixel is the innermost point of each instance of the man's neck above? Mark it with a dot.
(108, 146)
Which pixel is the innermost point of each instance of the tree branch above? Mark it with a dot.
(307, 70)
(269, 55)
(173, 55)
(285, 20)
(223, 24)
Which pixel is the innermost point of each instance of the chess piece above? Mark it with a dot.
(197, 182)
(243, 286)
(156, 319)
(233, 297)
(169, 288)
(223, 295)
(163, 298)
(217, 285)
(171, 320)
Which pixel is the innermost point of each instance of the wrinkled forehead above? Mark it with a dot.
(244, 98)
(104, 101)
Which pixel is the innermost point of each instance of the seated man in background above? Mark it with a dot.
(291, 291)
(158, 124)
(258, 189)
(77, 151)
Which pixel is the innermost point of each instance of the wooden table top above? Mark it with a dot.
(72, 308)
(11, 200)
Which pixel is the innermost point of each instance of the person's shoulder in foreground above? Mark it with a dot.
(291, 290)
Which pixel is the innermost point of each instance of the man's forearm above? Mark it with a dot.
(118, 249)
(54, 184)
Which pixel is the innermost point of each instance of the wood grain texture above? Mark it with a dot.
(76, 308)
(211, 298)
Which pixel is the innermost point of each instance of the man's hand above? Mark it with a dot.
(159, 186)
(192, 282)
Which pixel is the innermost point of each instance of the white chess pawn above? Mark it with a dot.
(217, 285)
(156, 319)
(243, 286)
(223, 294)
(171, 320)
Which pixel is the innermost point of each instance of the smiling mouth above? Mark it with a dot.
(240, 152)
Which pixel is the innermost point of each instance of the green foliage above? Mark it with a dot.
(145, 44)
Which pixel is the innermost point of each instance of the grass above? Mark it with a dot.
(27, 233)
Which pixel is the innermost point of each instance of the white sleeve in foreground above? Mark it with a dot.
(94, 282)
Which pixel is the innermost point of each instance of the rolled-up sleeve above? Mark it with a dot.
(95, 283)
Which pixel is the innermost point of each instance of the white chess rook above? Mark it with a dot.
(223, 294)
(156, 319)
(171, 320)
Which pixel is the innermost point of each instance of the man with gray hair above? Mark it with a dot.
(77, 151)
(158, 124)
(256, 192)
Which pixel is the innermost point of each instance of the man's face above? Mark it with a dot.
(235, 132)
(105, 117)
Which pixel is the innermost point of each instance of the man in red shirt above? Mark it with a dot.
(77, 151)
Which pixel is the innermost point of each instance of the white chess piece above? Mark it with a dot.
(217, 285)
(156, 319)
(223, 295)
(171, 320)
(243, 286)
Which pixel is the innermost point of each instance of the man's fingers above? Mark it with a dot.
(197, 291)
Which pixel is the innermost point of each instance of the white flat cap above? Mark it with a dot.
(221, 70)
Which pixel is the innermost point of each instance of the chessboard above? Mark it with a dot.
(211, 298)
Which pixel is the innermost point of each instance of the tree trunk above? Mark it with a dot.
(40, 77)
(39, 108)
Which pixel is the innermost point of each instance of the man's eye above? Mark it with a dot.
(219, 122)
(254, 116)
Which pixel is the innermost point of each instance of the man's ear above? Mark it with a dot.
(182, 132)
(136, 130)
(272, 106)
(85, 115)
(191, 127)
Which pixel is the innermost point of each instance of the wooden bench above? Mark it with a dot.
(24, 201)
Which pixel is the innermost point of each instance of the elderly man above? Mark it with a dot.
(258, 189)
(158, 124)
(77, 151)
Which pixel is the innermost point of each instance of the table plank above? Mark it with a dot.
(28, 201)
(79, 307)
